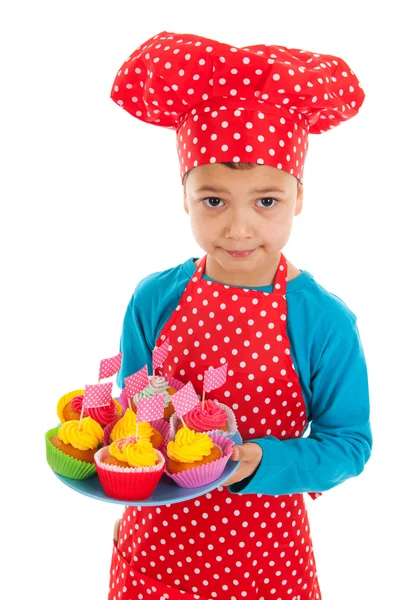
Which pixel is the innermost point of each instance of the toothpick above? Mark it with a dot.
(183, 422)
(80, 419)
(202, 401)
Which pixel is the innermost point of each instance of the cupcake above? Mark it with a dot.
(129, 469)
(157, 385)
(215, 418)
(70, 450)
(65, 410)
(196, 459)
(69, 408)
(125, 427)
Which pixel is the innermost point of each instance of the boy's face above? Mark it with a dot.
(240, 210)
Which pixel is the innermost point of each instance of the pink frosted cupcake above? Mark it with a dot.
(129, 469)
(70, 405)
(197, 459)
(216, 418)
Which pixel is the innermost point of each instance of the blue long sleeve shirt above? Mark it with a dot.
(328, 358)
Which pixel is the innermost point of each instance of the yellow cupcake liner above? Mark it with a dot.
(63, 401)
(65, 465)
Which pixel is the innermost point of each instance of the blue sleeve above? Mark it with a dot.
(133, 345)
(151, 305)
(339, 441)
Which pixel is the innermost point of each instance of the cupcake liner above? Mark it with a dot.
(66, 465)
(230, 432)
(123, 400)
(160, 424)
(63, 401)
(175, 383)
(209, 472)
(118, 407)
(164, 428)
(128, 483)
(107, 432)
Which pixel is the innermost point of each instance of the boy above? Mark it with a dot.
(242, 117)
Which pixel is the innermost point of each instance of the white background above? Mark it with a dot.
(91, 202)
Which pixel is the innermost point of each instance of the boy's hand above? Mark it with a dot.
(117, 527)
(250, 457)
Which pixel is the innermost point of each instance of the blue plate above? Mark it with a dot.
(166, 492)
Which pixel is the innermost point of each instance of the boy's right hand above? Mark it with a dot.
(117, 527)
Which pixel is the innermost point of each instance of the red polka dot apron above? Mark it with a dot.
(226, 546)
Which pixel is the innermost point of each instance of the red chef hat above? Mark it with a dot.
(227, 104)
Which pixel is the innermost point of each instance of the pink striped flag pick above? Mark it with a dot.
(97, 395)
(214, 378)
(137, 382)
(184, 400)
(150, 409)
(160, 354)
(110, 366)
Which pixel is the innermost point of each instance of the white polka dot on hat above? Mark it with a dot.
(227, 104)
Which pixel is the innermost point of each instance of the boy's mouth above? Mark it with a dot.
(240, 253)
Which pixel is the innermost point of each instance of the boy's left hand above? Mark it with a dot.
(250, 455)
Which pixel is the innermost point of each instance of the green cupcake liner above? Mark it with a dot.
(65, 465)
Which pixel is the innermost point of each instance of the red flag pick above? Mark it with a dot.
(110, 366)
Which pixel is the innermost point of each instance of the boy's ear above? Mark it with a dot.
(185, 203)
(299, 201)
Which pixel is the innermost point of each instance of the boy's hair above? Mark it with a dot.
(232, 165)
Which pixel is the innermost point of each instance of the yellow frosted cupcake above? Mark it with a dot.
(196, 459)
(126, 427)
(129, 469)
(190, 450)
(70, 449)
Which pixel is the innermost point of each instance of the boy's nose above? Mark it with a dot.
(239, 227)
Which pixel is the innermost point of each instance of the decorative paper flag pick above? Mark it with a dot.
(184, 400)
(136, 383)
(160, 354)
(213, 379)
(123, 398)
(150, 409)
(110, 366)
(95, 396)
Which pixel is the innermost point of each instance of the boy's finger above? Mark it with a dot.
(116, 530)
(237, 453)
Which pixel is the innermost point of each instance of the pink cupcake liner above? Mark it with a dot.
(205, 474)
(108, 430)
(164, 428)
(230, 432)
(161, 425)
(175, 383)
(128, 483)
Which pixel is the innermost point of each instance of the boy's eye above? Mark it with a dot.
(267, 202)
(213, 202)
